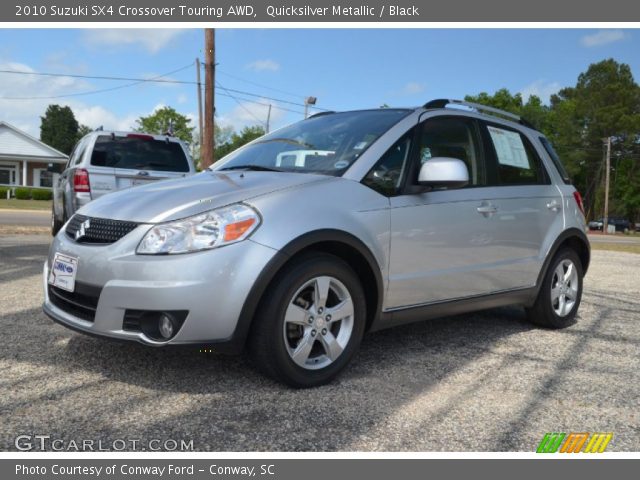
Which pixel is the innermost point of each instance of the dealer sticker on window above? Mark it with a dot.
(63, 272)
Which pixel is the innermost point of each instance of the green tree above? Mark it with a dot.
(237, 140)
(532, 110)
(604, 103)
(59, 128)
(159, 122)
(82, 131)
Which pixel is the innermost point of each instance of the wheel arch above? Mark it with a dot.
(573, 238)
(335, 242)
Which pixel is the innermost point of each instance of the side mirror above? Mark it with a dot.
(443, 172)
(54, 168)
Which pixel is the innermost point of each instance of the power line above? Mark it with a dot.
(135, 81)
(157, 79)
(240, 103)
(259, 84)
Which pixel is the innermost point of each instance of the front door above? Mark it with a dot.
(444, 244)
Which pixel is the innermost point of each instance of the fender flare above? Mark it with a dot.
(562, 238)
(272, 268)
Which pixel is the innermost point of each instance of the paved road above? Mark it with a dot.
(483, 382)
(624, 239)
(30, 218)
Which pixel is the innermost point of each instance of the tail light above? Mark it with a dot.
(578, 199)
(81, 181)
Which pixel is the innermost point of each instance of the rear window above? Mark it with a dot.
(138, 153)
(555, 159)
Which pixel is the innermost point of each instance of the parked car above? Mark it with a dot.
(104, 162)
(621, 224)
(418, 213)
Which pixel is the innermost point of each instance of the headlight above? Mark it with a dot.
(207, 230)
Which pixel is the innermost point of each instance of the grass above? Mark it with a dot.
(616, 247)
(16, 204)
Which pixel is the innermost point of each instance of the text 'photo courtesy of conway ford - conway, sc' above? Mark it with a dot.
(297, 244)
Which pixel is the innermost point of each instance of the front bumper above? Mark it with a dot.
(212, 286)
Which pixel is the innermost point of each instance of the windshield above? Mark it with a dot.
(327, 144)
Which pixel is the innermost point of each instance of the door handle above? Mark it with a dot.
(487, 209)
(553, 205)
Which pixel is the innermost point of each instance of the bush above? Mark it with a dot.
(3, 193)
(41, 194)
(23, 193)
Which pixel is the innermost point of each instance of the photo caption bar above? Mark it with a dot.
(378, 11)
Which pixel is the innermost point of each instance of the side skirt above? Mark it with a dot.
(401, 316)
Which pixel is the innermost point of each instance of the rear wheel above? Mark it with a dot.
(310, 323)
(56, 224)
(560, 293)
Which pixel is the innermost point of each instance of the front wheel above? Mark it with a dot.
(560, 293)
(310, 323)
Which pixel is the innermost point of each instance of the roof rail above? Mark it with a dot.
(443, 102)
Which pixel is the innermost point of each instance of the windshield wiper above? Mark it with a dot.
(257, 168)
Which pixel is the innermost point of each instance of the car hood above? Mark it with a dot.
(174, 199)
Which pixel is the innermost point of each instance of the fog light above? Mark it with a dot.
(165, 326)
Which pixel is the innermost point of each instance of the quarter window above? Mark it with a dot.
(386, 176)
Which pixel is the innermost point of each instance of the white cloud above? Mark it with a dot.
(603, 37)
(413, 88)
(264, 65)
(249, 114)
(541, 89)
(151, 39)
(182, 99)
(97, 116)
(25, 112)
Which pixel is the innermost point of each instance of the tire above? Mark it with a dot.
(56, 224)
(549, 309)
(295, 342)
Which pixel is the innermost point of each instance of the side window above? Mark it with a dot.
(386, 176)
(79, 153)
(453, 137)
(516, 161)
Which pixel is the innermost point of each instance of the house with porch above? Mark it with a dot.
(24, 159)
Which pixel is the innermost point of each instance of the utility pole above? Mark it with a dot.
(199, 86)
(605, 222)
(268, 118)
(208, 142)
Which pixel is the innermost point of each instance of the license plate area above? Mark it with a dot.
(63, 272)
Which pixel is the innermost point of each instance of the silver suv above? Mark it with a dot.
(391, 216)
(103, 162)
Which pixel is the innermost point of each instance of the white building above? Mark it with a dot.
(24, 159)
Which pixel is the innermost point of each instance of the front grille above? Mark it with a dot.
(81, 303)
(98, 230)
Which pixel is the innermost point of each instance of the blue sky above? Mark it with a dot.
(343, 68)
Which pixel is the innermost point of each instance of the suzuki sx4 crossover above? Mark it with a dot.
(297, 244)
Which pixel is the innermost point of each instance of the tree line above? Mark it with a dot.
(605, 102)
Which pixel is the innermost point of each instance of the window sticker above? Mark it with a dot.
(509, 148)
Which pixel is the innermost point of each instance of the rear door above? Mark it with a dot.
(136, 159)
(529, 208)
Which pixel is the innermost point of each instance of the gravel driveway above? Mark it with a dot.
(482, 382)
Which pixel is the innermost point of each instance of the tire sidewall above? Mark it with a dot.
(556, 320)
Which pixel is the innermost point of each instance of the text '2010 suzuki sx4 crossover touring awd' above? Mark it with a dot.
(298, 243)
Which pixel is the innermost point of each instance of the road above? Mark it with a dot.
(622, 239)
(483, 382)
(27, 218)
